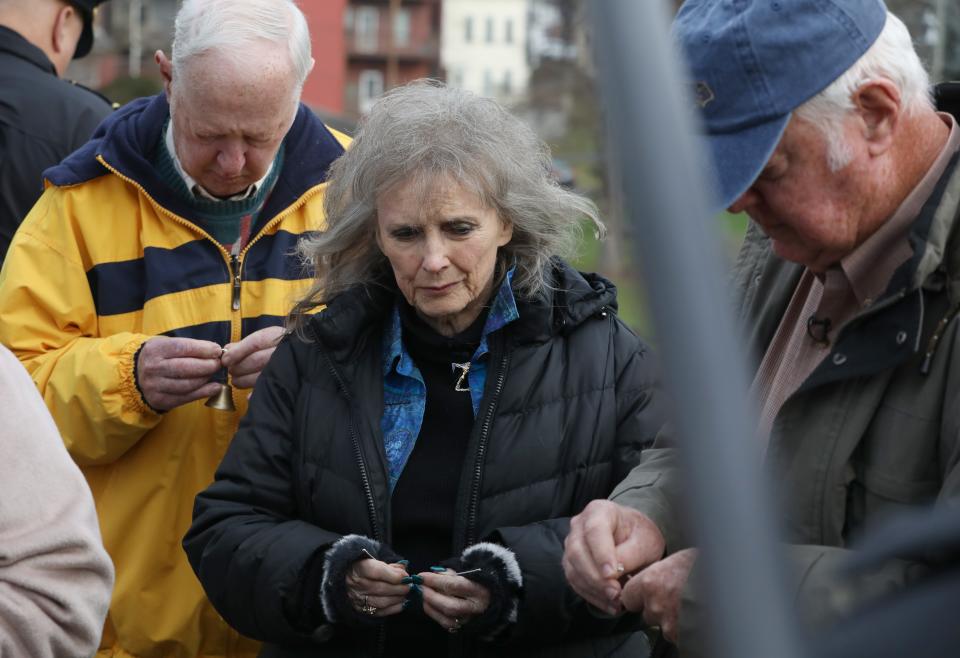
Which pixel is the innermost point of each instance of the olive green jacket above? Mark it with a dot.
(875, 428)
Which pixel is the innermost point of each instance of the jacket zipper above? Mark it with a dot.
(234, 262)
(358, 453)
(368, 491)
(474, 500)
(235, 272)
(458, 646)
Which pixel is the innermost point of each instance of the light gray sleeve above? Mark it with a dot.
(55, 576)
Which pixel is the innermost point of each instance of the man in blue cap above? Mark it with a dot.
(821, 128)
(42, 117)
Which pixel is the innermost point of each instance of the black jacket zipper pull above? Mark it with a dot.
(235, 270)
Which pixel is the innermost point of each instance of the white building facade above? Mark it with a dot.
(484, 46)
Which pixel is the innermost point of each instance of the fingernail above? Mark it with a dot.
(404, 562)
(612, 593)
(414, 579)
(609, 571)
(613, 611)
(438, 569)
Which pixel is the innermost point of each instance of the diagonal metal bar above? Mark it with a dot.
(650, 121)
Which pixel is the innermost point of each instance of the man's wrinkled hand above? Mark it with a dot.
(656, 591)
(174, 371)
(245, 359)
(607, 541)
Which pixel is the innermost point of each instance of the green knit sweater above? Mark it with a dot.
(225, 220)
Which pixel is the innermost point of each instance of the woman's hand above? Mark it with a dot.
(375, 587)
(452, 600)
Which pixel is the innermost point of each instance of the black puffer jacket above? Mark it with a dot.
(571, 400)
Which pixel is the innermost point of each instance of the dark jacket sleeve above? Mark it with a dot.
(549, 607)
(260, 567)
(813, 575)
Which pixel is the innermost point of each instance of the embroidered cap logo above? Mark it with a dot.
(703, 94)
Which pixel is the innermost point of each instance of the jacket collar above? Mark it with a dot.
(12, 42)
(896, 325)
(127, 138)
(503, 311)
(350, 319)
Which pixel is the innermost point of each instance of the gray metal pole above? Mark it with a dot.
(940, 47)
(136, 38)
(675, 241)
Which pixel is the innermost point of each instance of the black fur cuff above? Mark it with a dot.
(500, 573)
(337, 606)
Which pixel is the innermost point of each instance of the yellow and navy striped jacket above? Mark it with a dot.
(106, 259)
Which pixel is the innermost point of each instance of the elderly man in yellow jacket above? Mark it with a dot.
(156, 268)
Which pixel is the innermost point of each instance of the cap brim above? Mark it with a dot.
(86, 37)
(739, 157)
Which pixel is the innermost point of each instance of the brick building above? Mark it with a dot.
(388, 43)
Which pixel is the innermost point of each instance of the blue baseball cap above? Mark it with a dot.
(753, 62)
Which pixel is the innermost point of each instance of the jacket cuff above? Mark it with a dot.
(640, 491)
(340, 557)
(500, 573)
(130, 379)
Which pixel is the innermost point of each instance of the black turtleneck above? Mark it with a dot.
(424, 500)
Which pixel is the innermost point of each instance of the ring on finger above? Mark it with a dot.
(366, 608)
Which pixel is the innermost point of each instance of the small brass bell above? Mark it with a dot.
(222, 400)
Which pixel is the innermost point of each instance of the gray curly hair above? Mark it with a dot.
(423, 133)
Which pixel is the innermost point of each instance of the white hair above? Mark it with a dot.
(892, 57)
(230, 26)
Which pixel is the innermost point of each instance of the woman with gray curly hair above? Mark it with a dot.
(403, 482)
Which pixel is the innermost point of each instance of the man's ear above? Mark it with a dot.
(61, 38)
(166, 71)
(878, 104)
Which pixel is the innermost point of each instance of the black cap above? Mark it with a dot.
(86, 9)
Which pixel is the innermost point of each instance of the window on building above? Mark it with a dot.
(468, 29)
(401, 28)
(508, 31)
(366, 28)
(369, 89)
(488, 83)
(489, 31)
